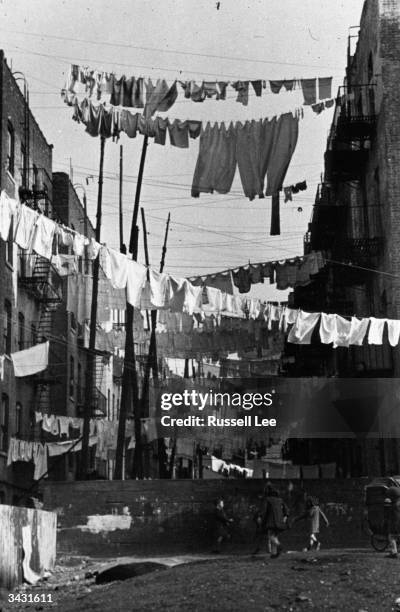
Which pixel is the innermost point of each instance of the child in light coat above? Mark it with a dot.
(312, 514)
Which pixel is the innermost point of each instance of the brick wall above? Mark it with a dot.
(159, 516)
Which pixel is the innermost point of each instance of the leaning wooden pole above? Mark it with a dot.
(90, 365)
(130, 389)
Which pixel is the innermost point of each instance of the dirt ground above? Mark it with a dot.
(345, 580)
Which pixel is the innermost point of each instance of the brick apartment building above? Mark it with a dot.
(356, 217)
(33, 299)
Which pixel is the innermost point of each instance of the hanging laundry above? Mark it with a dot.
(129, 123)
(42, 242)
(8, 207)
(160, 289)
(64, 264)
(118, 269)
(258, 87)
(288, 194)
(221, 280)
(275, 86)
(242, 87)
(241, 280)
(329, 103)
(309, 87)
(343, 329)
(194, 128)
(216, 162)
(324, 88)
(250, 144)
(375, 333)
(92, 249)
(178, 134)
(25, 226)
(31, 361)
(78, 244)
(222, 86)
(65, 236)
(136, 278)
(160, 130)
(39, 457)
(303, 328)
(214, 299)
(284, 143)
(318, 107)
(393, 331)
(159, 97)
(328, 329)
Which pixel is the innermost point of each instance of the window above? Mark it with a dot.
(35, 177)
(370, 67)
(4, 423)
(113, 407)
(23, 166)
(10, 148)
(33, 334)
(21, 331)
(108, 403)
(71, 377)
(18, 418)
(10, 245)
(79, 383)
(7, 327)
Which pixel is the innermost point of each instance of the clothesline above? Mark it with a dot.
(36, 232)
(142, 93)
(290, 272)
(337, 330)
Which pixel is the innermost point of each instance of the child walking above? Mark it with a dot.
(312, 514)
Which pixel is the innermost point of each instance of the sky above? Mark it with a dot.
(184, 39)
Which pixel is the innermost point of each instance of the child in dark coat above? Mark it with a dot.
(275, 521)
(223, 525)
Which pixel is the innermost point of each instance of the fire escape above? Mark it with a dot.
(42, 283)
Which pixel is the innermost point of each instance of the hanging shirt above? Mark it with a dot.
(303, 328)
(136, 279)
(159, 289)
(241, 279)
(25, 226)
(343, 329)
(159, 97)
(393, 331)
(42, 242)
(129, 123)
(375, 332)
(118, 269)
(178, 134)
(327, 329)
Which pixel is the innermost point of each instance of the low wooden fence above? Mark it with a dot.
(27, 544)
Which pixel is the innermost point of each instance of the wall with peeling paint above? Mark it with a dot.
(160, 516)
(27, 538)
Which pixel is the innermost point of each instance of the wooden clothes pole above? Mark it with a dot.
(90, 364)
(130, 391)
(122, 246)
